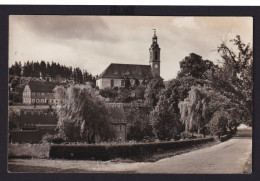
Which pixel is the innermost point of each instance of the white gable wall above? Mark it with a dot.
(106, 82)
(27, 95)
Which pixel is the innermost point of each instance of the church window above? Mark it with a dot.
(42, 100)
(156, 55)
(112, 83)
(37, 100)
(122, 82)
(33, 93)
(33, 100)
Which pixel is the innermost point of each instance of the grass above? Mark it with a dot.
(248, 166)
(28, 150)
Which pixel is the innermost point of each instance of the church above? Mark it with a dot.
(115, 75)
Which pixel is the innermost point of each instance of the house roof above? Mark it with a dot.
(120, 71)
(43, 86)
(117, 113)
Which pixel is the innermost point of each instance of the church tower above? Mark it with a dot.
(155, 56)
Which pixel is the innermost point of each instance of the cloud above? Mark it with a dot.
(93, 42)
(67, 27)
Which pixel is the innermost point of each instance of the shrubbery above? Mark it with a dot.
(48, 138)
(106, 152)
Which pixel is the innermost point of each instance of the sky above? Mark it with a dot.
(93, 42)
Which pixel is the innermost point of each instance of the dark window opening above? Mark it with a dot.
(112, 83)
(156, 55)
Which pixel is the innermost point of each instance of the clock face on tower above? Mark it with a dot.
(155, 66)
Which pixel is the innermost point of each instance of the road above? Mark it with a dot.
(228, 157)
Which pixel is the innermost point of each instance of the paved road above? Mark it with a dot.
(227, 157)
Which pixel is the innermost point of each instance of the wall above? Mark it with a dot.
(106, 82)
(43, 98)
(30, 118)
(28, 136)
(27, 95)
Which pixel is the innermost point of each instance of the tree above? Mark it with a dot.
(164, 119)
(200, 106)
(16, 69)
(13, 119)
(194, 66)
(14, 83)
(82, 115)
(140, 91)
(152, 91)
(108, 93)
(235, 79)
(194, 109)
(127, 83)
(137, 83)
(138, 123)
(124, 95)
(218, 123)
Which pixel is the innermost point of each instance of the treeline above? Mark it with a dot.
(205, 98)
(53, 69)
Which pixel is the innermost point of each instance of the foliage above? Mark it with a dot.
(202, 103)
(82, 115)
(193, 109)
(13, 119)
(217, 125)
(140, 91)
(164, 119)
(15, 97)
(124, 95)
(235, 79)
(152, 91)
(108, 92)
(16, 69)
(54, 70)
(194, 66)
(14, 83)
(111, 151)
(138, 123)
(48, 138)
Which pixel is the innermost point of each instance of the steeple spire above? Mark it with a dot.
(155, 55)
(154, 32)
(154, 37)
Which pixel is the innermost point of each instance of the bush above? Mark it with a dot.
(188, 135)
(225, 137)
(106, 152)
(56, 139)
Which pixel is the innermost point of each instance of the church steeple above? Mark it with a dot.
(155, 55)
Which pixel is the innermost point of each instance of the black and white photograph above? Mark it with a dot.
(130, 94)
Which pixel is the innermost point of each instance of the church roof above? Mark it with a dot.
(43, 86)
(120, 71)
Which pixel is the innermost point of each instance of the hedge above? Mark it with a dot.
(225, 138)
(106, 152)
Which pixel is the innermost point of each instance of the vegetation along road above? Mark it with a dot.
(231, 157)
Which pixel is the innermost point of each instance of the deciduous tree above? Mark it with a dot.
(82, 115)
